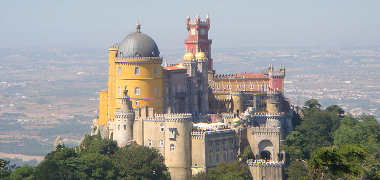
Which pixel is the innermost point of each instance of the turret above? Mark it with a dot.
(121, 129)
(178, 145)
(273, 102)
(276, 78)
(202, 61)
(198, 38)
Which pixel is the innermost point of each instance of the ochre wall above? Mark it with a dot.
(240, 84)
(102, 107)
(146, 80)
(121, 74)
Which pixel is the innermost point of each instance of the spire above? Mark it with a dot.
(126, 104)
(138, 28)
(165, 63)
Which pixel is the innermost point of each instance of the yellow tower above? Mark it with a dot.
(134, 65)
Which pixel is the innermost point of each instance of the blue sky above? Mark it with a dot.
(238, 23)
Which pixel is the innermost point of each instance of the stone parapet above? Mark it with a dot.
(263, 163)
(133, 60)
(197, 132)
(262, 130)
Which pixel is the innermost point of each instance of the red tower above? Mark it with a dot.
(198, 37)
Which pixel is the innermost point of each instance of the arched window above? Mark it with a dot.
(119, 71)
(137, 70)
(155, 70)
(137, 91)
(172, 147)
(125, 127)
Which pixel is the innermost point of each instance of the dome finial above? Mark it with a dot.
(138, 27)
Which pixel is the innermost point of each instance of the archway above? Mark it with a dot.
(265, 155)
(266, 149)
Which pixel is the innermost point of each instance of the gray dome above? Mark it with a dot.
(138, 45)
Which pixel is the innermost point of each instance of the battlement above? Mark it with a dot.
(176, 117)
(114, 47)
(229, 115)
(263, 163)
(239, 76)
(146, 60)
(198, 21)
(196, 133)
(148, 114)
(123, 115)
(226, 76)
(262, 130)
(264, 114)
(271, 72)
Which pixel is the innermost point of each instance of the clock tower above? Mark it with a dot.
(197, 40)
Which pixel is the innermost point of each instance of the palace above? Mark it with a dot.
(196, 118)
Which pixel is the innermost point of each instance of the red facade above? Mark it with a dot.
(198, 38)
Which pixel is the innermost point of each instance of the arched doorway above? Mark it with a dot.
(265, 155)
(266, 149)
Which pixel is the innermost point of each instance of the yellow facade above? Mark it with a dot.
(141, 76)
(240, 85)
(103, 107)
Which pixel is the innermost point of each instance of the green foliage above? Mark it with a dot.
(139, 162)
(296, 170)
(23, 173)
(94, 166)
(335, 109)
(94, 159)
(5, 169)
(226, 171)
(95, 144)
(363, 130)
(247, 154)
(330, 145)
(315, 130)
(338, 161)
(312, 104)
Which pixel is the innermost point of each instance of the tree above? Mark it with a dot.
(139, 162)
(338, 161)
(95, 166)
(226, 171)
(5, 169)
(312, 104)
(91, 163)
(295, 145)
(335, 109)
(95, 144)
(49, 169)
(362, 130)
(316, 130)
(296, 169)
(23, 173)
(247, 154)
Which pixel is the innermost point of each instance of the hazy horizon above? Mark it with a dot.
(234, 24)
